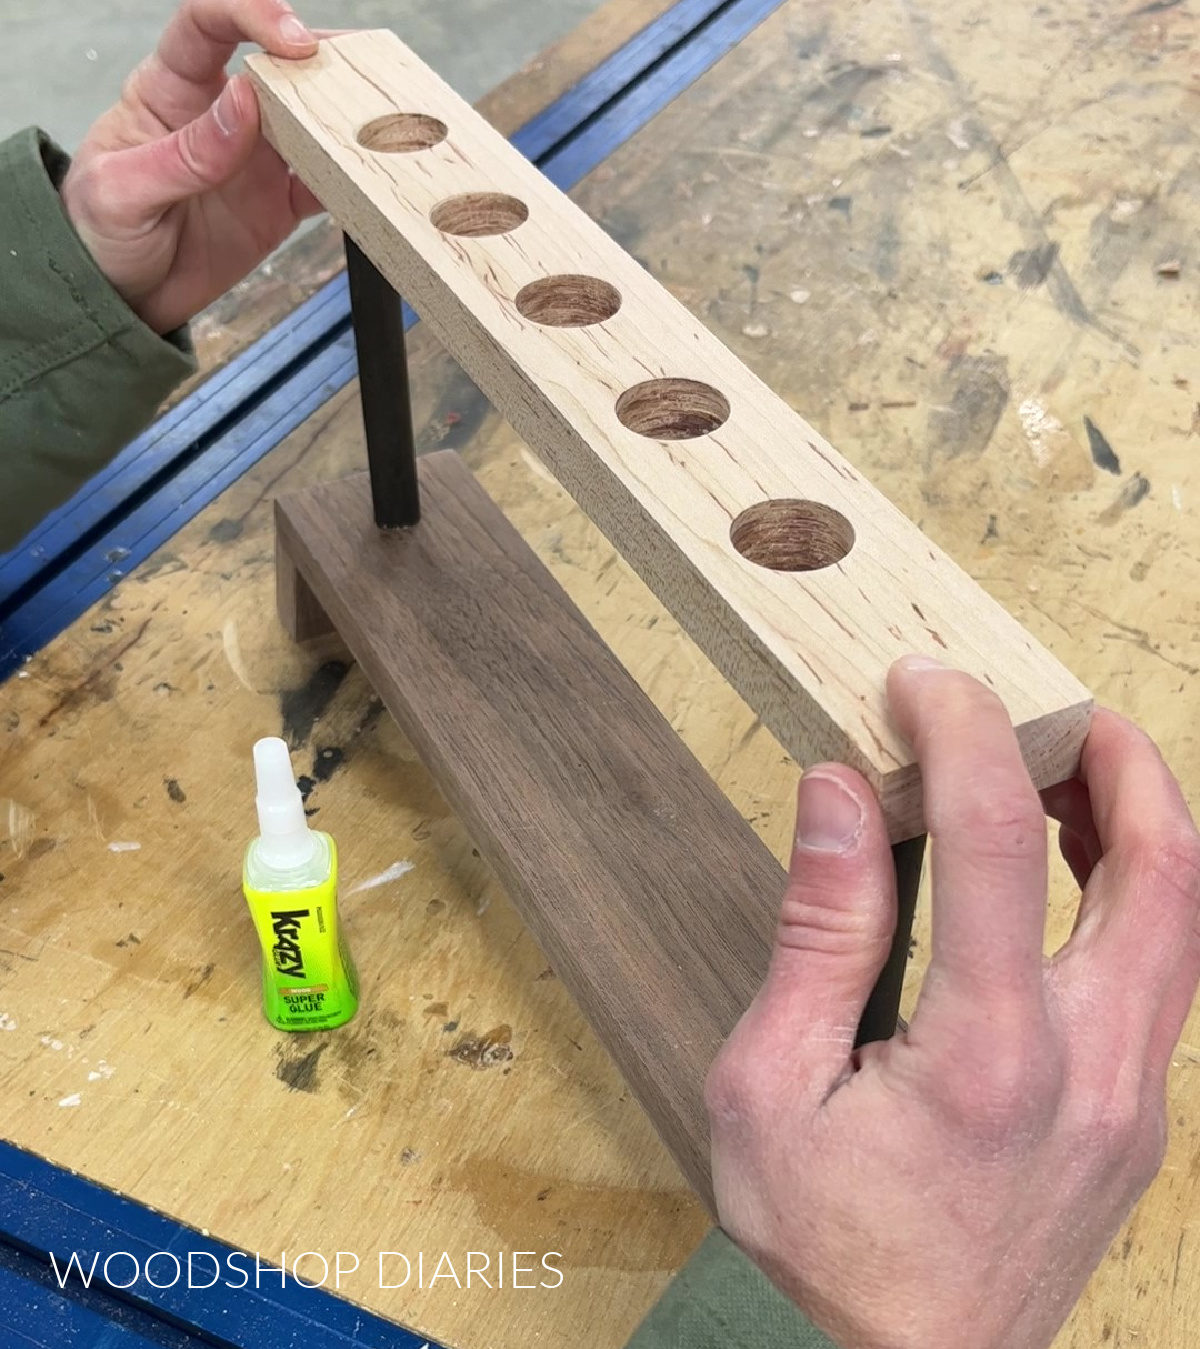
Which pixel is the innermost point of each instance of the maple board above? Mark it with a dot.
(799, 580)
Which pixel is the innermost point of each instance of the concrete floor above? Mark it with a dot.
(62, 61)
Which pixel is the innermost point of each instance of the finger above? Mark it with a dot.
(1132, 965)
(305, 204)
(145, 181)
(1179, 997)
(1143, 937)
(834, 932)
(987, 832)
(187, 71)
(1069, 803)
(1127, 809)
(200, 40)
(1127, 782)
(1076, 855)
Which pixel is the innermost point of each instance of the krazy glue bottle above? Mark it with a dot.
(290, 881)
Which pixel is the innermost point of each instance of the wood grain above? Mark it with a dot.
(649, 893)
(734, 510)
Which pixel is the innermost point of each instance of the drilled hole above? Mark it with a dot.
(568, 301)
(401, 133)
(479, 213)
(792, 535)
(673, 409)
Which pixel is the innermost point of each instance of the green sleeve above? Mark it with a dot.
(80, 373)
(722, 1300)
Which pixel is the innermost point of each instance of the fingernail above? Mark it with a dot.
(828, 816)
(917, 663)
(226, 111)
(294, 32)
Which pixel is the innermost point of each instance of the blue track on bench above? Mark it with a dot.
(46, 1211)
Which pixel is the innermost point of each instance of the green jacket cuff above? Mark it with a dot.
(722, 1300)
(80, 373)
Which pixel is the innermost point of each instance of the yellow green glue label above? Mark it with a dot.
(309, 980)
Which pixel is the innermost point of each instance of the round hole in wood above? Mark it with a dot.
(568, 301)
(402, 133)
(476, 214)
(792, 535)
(673, 409)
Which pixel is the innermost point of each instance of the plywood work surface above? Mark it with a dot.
(945, 232)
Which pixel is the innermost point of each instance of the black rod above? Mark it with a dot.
(882, 1012)
(375, 311)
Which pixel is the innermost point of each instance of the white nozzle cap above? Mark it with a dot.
(286, 840)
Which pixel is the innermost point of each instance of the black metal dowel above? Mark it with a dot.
(376, 314)
(882, 1012)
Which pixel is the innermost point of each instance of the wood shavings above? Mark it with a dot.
(956, 135)
(393, 873)
(233, 654)
(94, 820)
(21, 824)
(1039, 426)
(1125, 208)
(535, 465)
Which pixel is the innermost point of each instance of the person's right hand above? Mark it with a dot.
(957, 1185)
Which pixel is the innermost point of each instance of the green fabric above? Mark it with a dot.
(80, 373)
(721, 1300)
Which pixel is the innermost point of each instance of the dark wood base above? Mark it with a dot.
(651, 896)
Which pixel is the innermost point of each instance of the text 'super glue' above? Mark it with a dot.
(290, 881)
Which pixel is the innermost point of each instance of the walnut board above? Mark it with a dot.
(804, 200)
(651, 896)
(666, 439)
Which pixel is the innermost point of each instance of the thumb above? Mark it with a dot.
(200, 157)
(835, 925)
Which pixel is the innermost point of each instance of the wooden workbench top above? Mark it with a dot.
(960, 237)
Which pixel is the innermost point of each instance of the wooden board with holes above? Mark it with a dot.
(800, 581)
(284, 281)
(938, 228)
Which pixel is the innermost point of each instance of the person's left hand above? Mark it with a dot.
(174, 191)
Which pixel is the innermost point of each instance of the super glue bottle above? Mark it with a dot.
(290, 881)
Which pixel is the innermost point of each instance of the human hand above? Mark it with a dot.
(174, 191)
(958, 1184)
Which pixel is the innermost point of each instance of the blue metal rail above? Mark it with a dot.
(45, 1211)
